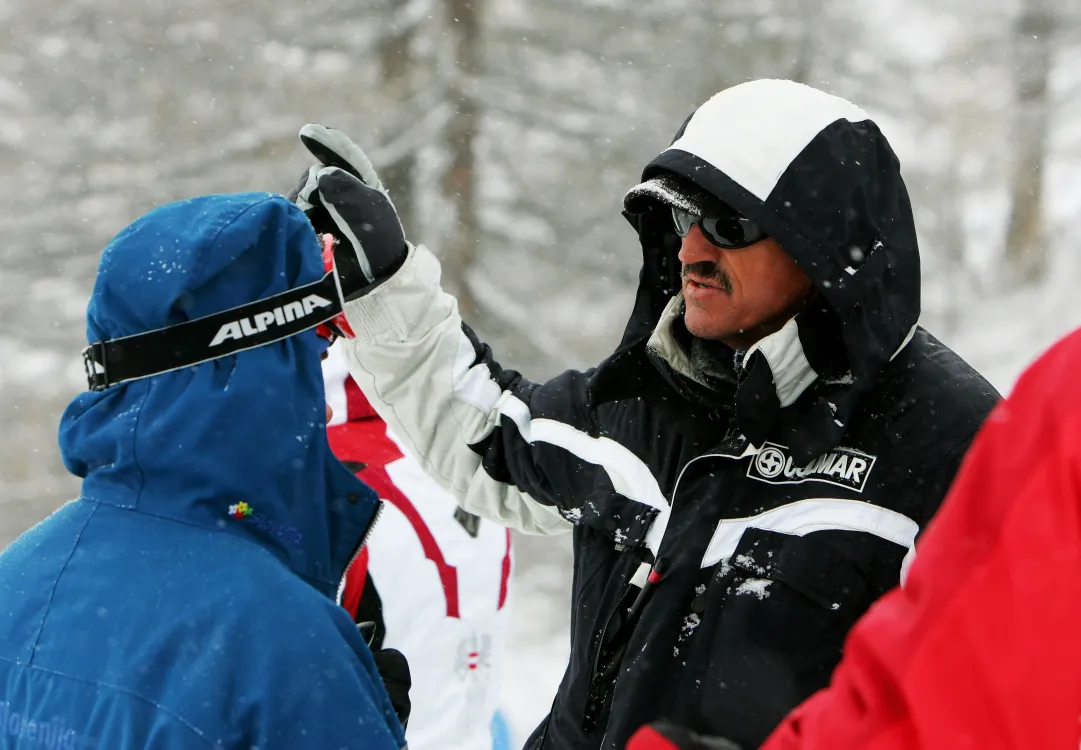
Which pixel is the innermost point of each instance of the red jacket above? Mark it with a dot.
(981, 648)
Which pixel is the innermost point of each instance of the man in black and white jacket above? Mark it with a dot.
(750, 469)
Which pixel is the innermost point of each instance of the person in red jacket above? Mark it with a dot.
(981, 646)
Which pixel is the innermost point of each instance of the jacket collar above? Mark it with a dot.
(793, 386)
(782, 352)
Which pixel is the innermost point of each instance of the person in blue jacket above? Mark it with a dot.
(186, 599)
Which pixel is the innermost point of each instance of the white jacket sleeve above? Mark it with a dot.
(514, 452)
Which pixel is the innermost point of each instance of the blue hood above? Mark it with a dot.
(237, 444)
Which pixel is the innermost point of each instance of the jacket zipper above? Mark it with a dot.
(749, 450)
(356, 552)
(605, 670)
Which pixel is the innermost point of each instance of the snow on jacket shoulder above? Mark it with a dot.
(980, 648)
(185, 599)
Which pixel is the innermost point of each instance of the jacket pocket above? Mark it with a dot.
(794, 597)
(806, 564)
(772, 624)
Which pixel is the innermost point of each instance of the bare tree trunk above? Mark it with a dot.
(805, 48)
(1026, 248)
(399, 83)
(952, 249)
(460, 180)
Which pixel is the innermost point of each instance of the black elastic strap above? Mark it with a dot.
(219, 335)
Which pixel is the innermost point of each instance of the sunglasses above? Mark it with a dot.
(730, 232)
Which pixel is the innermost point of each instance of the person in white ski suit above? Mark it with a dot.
(433, 579)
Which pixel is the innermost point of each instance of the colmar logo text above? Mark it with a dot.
(844, 467)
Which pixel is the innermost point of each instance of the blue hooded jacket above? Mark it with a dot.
(186, 599)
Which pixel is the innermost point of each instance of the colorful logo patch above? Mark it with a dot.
(240, 510)
(243, 511)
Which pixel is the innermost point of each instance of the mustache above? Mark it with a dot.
(710, 271)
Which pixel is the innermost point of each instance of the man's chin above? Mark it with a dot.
(702, 325)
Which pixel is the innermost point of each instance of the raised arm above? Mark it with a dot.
(512, 451)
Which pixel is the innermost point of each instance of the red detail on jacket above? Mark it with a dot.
(354, 582)
(358, 409)
(648, 738)
(365, 441)
(504, 579)
(339, 320)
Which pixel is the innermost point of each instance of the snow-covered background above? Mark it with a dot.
(508, 131)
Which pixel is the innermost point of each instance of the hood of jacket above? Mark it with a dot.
(819, 177)
(236, 444)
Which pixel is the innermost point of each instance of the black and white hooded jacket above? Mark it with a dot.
(730, 529)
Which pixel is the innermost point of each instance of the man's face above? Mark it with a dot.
(739, 296)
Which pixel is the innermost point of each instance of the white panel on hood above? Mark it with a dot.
(753, 131)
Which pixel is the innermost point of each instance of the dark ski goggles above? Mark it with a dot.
(729, 232)
(316, 305)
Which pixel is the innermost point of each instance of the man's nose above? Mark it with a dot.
(696, 248)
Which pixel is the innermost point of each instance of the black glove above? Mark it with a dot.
(342, 195)
(665, 736)
(394, 669)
